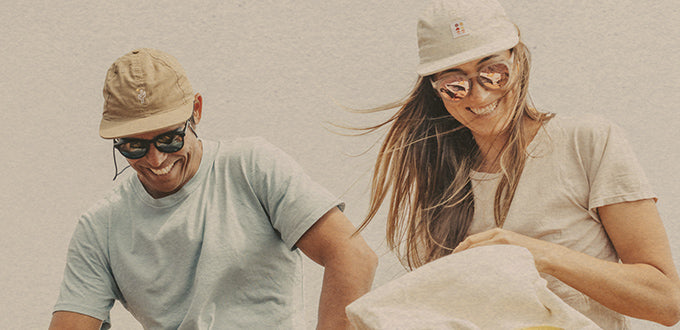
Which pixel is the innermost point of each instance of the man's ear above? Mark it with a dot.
(198, 108)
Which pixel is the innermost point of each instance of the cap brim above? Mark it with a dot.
(111, 129)
(470, 55)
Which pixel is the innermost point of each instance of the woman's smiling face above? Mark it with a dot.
(484, 111)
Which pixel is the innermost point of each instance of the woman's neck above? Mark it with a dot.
(491, 147)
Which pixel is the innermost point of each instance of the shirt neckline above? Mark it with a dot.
(533, 146)
(209, 148)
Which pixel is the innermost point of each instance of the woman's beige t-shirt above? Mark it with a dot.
(575, 166)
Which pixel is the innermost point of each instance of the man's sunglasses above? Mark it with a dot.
(168, 142)
(455, 86)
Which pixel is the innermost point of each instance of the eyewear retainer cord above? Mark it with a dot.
(115, 165)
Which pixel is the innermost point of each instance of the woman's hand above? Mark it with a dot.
(541, 250)
(644, 284)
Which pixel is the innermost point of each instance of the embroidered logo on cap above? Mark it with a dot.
(141, 95)
(458, 29)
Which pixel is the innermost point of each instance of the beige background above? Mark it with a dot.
(279, 69)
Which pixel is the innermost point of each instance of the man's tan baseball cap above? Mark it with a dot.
(145, 90)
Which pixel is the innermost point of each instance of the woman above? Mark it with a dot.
(468, 161)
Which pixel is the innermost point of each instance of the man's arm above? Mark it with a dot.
(74, 321)
(349, 266)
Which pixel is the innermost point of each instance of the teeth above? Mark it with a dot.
(162, 171)
(485, 110)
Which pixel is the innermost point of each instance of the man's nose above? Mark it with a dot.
(154, 157)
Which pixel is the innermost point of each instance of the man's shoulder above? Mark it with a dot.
(253, 148)
(243, 144)
(114, 200)
(253, 157)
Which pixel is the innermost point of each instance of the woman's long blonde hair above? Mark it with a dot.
(425, 163)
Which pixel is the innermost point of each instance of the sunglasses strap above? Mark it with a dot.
(115, 166)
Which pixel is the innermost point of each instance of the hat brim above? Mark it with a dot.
(467, 56)
(111, 129)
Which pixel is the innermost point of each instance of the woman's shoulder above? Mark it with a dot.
(581, 122)
(588, 135)
(581, 127)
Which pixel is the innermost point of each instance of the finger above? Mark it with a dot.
(465, 244)
(462, 246)
(472, 239)
(484, 243)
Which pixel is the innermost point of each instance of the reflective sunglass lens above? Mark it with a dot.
(494, 76)
(455, 86)
(455, 89)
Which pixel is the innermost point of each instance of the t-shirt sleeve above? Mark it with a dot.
(88, 286)
(293, 201)
(614, 172)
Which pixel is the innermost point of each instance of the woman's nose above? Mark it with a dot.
(477, 95)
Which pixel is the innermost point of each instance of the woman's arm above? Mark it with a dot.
(645, 285)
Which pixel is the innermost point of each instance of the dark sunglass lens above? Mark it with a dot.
(170, 142)
(137, 148)
(494, 76)
(133, 149)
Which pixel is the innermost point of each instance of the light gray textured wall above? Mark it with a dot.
(279, 69)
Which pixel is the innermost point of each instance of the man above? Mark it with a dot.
(205, 235)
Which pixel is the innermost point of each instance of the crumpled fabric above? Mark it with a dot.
(488, 287)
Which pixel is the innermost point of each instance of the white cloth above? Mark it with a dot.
(576, 165)
(490, 287)
(218, 254)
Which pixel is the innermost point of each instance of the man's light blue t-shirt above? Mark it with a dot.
(218, 254)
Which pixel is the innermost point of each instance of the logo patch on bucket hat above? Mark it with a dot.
(458, 29)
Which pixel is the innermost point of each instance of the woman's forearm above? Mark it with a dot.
(638, 290)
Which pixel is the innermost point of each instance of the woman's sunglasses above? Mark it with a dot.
(454, 86)
(168, 142)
